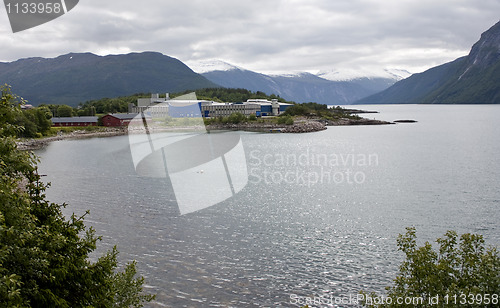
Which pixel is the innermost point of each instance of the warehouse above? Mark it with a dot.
(190, 107)
(74, 121)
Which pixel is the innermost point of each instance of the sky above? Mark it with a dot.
(267, 36)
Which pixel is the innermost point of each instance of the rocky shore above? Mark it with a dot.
(34, 144)
(301, 125)
(361, 121)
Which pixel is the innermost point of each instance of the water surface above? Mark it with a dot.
(318, 217)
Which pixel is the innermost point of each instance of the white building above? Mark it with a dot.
(162, 107)
(213, 109)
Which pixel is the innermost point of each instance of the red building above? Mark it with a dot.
(74, 121)
(121, 119)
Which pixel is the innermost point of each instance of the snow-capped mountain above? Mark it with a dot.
(332, 87)
(206, 66)
(353, 74)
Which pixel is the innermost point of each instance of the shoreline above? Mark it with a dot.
(35, 144)
(302, 125)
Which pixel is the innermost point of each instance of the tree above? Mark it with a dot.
(462, 273)
(64, 111)
(41, 118)
(285, 119)
(44, 258)
(297, 110)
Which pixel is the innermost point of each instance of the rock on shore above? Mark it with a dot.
(299, 127)
(305, 127)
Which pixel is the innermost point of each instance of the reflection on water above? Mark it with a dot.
(304, 229)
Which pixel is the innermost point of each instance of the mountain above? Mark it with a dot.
(324, 87)
(473, 79)
(78, 77)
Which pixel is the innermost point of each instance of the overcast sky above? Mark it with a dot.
(265, 36)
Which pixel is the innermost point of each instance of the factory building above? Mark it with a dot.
(157, 107)
(258, 107)
(213, 110)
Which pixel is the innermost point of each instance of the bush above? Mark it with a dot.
(297, 110)
(236, 118)
(461, 269)
(252, 117)
(285, 119)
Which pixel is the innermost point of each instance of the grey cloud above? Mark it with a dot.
(267, 35)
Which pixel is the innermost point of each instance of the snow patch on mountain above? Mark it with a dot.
(353, 74)
(206, 66)
(291, 74)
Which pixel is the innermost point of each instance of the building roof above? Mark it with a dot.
(74, 120)
(123, 116)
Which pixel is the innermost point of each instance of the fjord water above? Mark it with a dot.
(319, 216)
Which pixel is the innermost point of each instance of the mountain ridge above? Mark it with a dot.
(298, 86)
(78, 77)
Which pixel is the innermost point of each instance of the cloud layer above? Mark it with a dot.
(266, 36)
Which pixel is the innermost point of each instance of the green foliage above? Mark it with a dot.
(35, 122)
(64, 111)
(315, 106)
(22, 123)
(319, 110)
(285, 119)
(44, 258)
(460, 268)
(9, 112)
(236, 118)
(298, 110)
(109, 105)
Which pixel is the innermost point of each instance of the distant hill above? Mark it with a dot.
(474, 79)
(79, 77)
(334, 87)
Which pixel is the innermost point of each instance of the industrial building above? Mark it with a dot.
(213, 109)
(157, 107)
